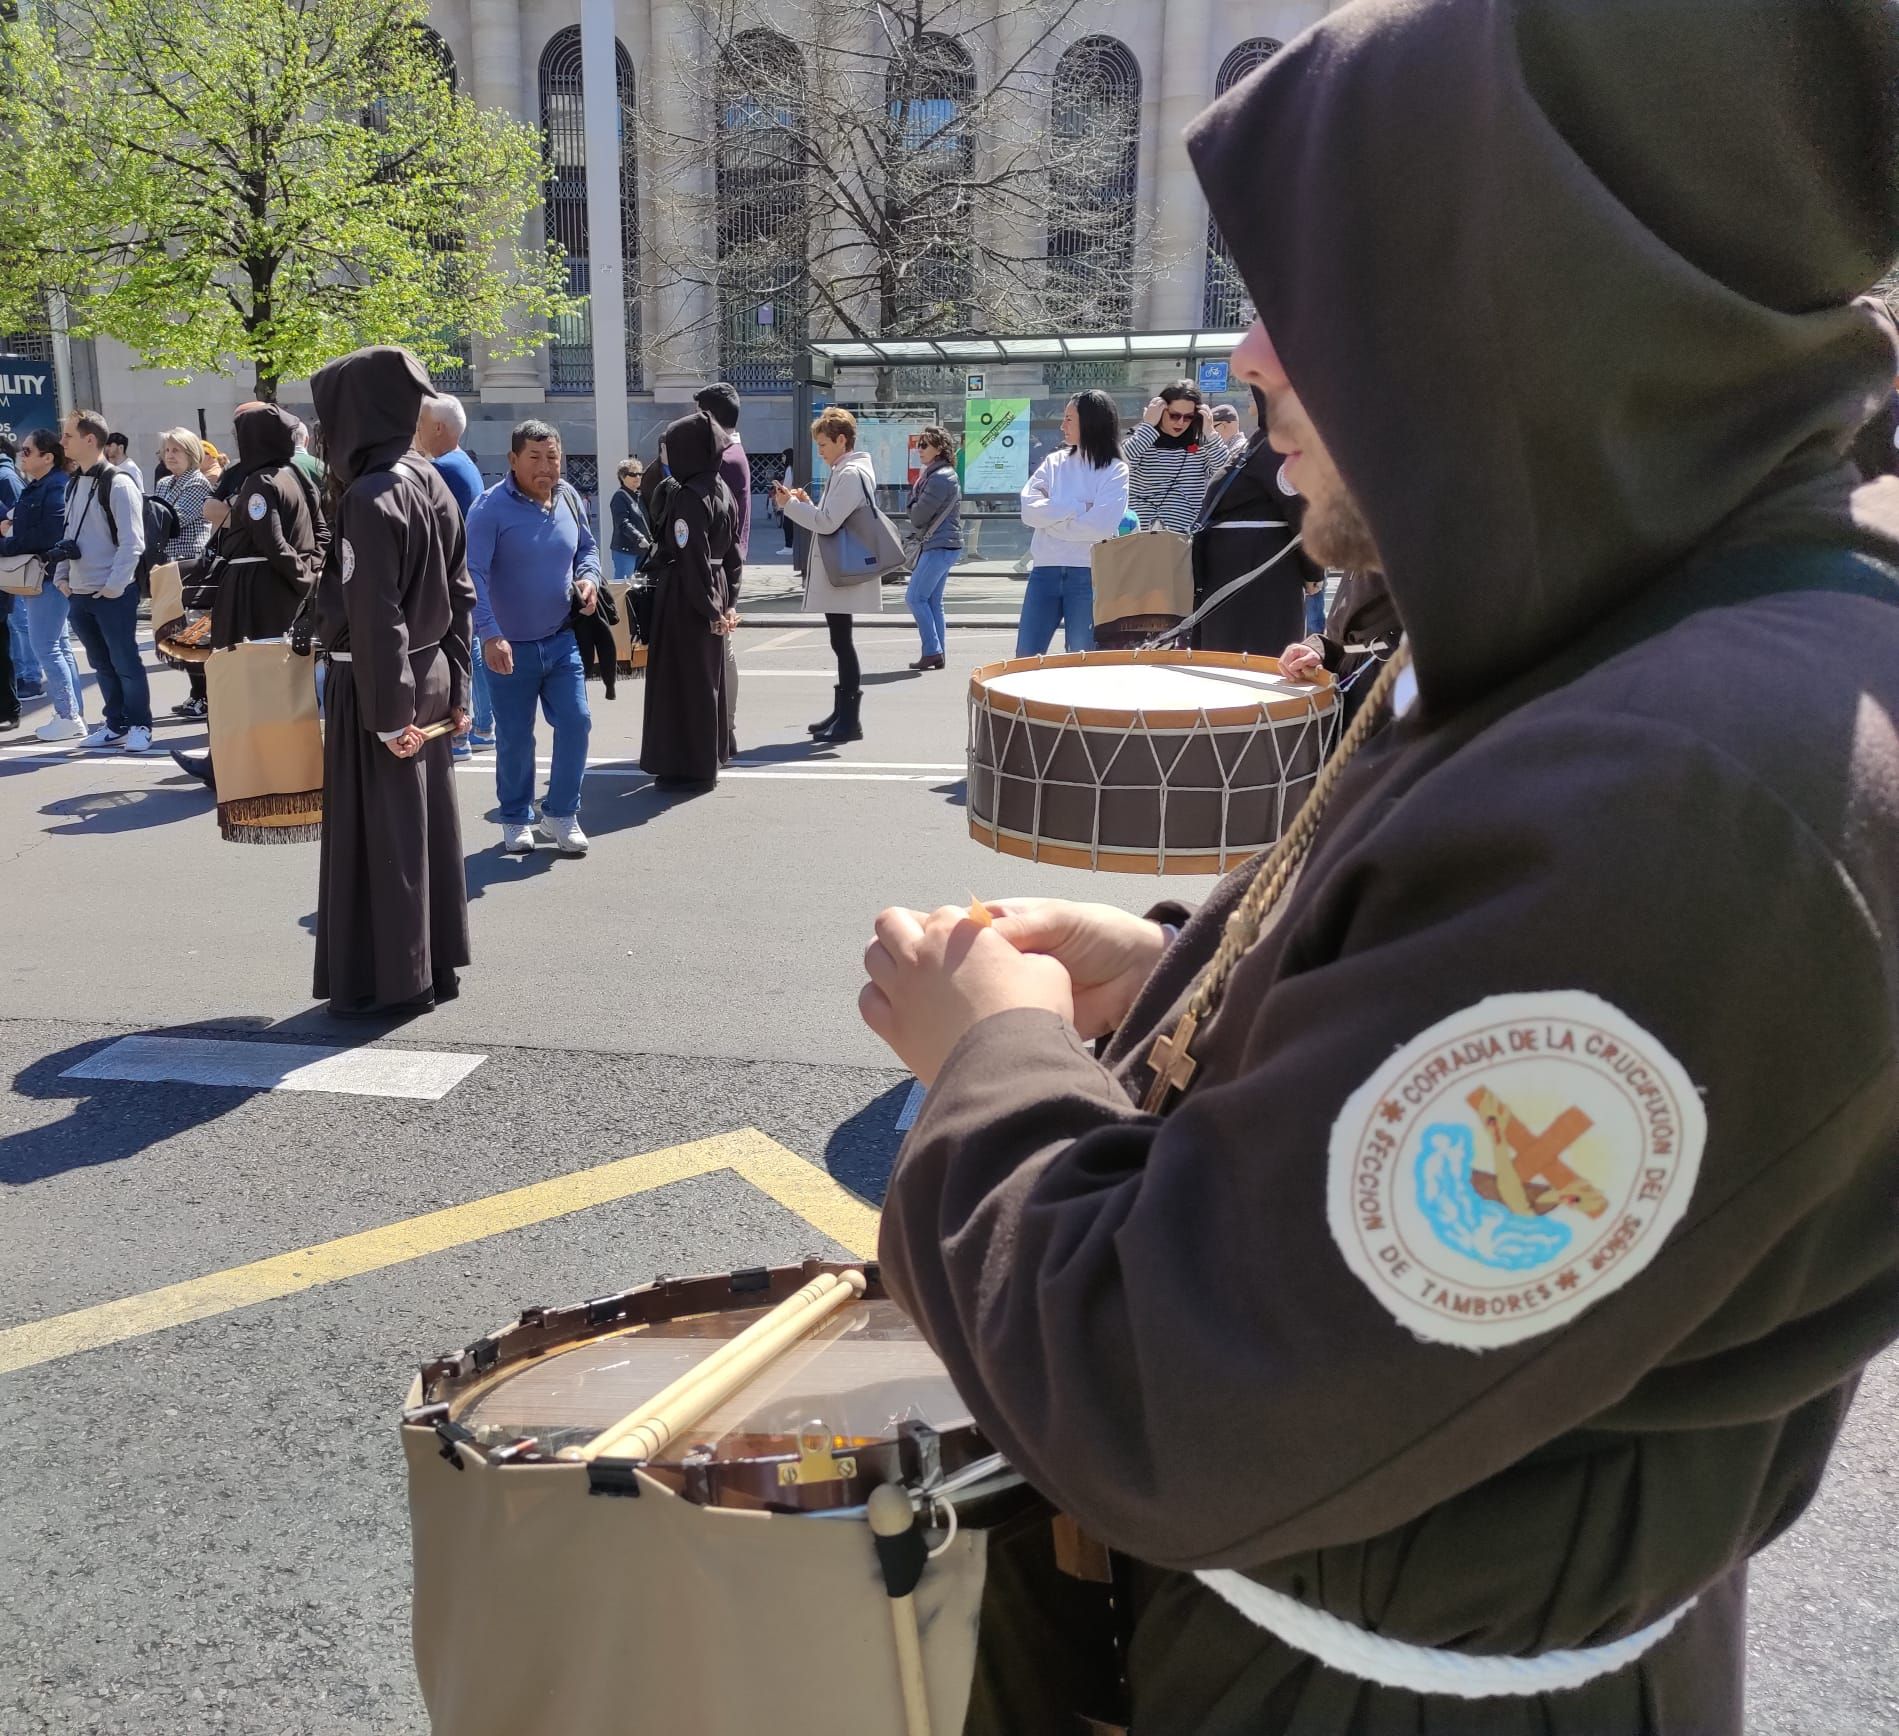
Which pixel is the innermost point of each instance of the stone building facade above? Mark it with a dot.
(1165, 59)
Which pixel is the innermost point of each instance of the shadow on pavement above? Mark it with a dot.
(111, 811)
(956, 794)
(862, 1149)
(113, 1119)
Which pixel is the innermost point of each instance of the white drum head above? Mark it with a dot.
(1138, 687)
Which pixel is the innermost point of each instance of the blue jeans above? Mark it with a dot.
(1064, 595)
(925, 596)
(546, 671)
(40, 623)
(625, 566)
(1315, 612)
(481, 704)
(108, 628)
(27, 669)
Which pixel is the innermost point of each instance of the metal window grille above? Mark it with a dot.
(762, 210)
(1223, 301)
(564, 131)
(928, 90)
(36, 344)
(1096, 116)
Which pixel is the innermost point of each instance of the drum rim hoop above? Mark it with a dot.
(1108, 859)
(1322, 700)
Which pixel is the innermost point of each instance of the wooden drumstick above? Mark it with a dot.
(647, 1431)
(901, 1553)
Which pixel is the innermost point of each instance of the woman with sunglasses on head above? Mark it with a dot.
(1172, 456)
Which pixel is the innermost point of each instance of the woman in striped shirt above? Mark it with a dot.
(1171, 457)
(183, 483)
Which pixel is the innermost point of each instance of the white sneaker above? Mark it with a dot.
(138, 739)
(517, 840)
(105, 736)
(564, 833)
(60, 729)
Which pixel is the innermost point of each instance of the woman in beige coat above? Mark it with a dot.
(852, 482)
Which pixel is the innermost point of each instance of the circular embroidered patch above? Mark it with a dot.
(258, 507)
(1513, 1165)
(681, 536)
(347, 560)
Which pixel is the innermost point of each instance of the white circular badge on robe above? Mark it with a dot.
(681, 536)
(258, 507)
(348, 561)
(1513, 1165)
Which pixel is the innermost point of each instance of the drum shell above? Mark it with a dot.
(1161, 793)
(540, 1607)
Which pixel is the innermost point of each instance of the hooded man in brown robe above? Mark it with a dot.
(393, 611)
(1483, 1273)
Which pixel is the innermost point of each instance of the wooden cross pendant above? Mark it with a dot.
(1173, 1067)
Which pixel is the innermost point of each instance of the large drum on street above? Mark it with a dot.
(1142, 762)
(653, 1512)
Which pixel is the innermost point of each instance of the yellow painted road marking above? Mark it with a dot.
(826, 1206)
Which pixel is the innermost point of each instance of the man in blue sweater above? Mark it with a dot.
(534, 560)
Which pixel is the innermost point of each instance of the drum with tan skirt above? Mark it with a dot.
(712, 1505)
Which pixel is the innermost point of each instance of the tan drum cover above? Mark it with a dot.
(542, 1610)
(168, 595)
(617, 589)
(265, 742)
(1149, 572)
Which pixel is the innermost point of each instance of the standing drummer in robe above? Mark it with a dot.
(393, 613)
(1464, 1255)
(687, 731)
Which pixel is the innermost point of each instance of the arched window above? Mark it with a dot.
(564, 127)
(1223, 302)
(929, 158)
(762, 209)
(1095, 120)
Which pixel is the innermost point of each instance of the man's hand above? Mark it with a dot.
(462, 721)
(64, 589)
(1152, 414)
(587, 594)
(6, 527)
(1107, 953)
(498, 654)
(934, 978)
(1299, 662)
(408, 744)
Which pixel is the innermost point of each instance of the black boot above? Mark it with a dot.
(197, 766)
(824, 724)
(849, 725)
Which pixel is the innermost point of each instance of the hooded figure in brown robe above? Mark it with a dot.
(687, 733)
(271, 545)
(393, 611)
(1500, 1279)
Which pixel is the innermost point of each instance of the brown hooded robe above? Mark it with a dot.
(687, 732)
(1621, 396)
(269, 550)
(393, 611)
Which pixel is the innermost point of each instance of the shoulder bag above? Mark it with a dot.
(864, 547)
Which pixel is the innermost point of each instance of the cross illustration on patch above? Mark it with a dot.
(1528, 1174)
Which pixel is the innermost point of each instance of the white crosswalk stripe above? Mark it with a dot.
(424, 1074)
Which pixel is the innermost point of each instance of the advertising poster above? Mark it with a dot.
(995, 445)
(28, 397)
(888, 432)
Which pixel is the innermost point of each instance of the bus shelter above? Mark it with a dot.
(1001, 397)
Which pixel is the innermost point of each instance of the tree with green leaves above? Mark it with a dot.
(264, 182)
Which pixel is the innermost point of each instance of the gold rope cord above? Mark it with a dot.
(1269, 885)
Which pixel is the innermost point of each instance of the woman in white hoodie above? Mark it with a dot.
(1076, 498)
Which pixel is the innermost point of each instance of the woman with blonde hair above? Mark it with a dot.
(852, 482)
(182, 482)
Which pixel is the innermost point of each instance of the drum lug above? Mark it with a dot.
(816, 1462)
(750, 1278)
(919, 1455)
(484, 1353)
(449, 1432)
(612, 1477)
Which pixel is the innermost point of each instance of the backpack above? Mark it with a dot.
(160, 521)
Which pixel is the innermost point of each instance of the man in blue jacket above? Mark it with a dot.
(534, 561)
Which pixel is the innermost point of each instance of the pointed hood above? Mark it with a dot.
(266, 436)
(693, 445)
(367, 404)
(1567, 287)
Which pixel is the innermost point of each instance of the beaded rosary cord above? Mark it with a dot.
(1174, 1067)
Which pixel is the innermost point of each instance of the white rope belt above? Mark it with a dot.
(1246, 524)
(1426, 1669)
(350, 656)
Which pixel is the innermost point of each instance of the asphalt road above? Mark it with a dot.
(203, 1526)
